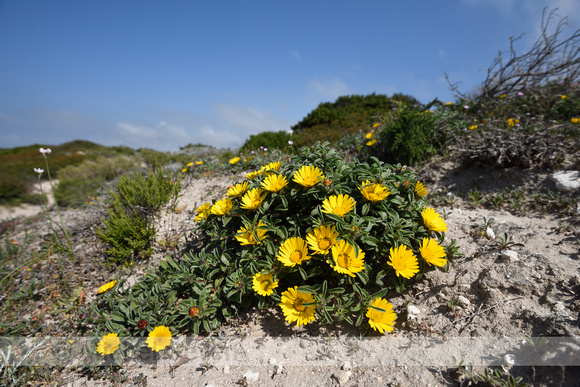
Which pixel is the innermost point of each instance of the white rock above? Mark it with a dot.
(489, 233)
(342, 377)
(278, 368)
(226, 369)
(509, 360)
(463, 301)
(566, 181)
(347, 365)
(412, 309)
(510, 254)
(251, 376)
(272, 361)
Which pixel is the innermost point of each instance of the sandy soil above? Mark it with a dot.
(502, 295)
(479, 312)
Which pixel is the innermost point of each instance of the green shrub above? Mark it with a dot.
(78, 182)
(407, 137)
(269, 140)
(129, 227)
(326, 238)
(329, 122)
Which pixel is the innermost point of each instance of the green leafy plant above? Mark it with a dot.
(320, 237)
(129, 228)
(408, 136)
(489, 377)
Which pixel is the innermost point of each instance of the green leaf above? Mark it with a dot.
(302, 273)
(363, 276)
(117, 316)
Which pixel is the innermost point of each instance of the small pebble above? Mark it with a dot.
(342, 377)
(412, 309)
(251, 376)
(489, 233)
(347, 365)
(510, 254)
(463, 301)
(278, 369)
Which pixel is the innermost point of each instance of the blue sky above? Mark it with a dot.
(162, 74)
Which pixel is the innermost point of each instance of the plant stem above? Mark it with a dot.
(56, 204)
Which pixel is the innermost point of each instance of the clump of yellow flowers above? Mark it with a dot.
(321, 238)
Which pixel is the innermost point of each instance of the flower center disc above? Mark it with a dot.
(340, 211)
(265, 285)
(296, 256)
(324, 244)
(298, 305)
(343, 260)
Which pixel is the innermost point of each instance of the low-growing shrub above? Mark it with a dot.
(407, 137)
(268, 140)
(319, 237)
(78, 182)
(129, 228)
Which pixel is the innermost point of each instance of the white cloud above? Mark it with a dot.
(162, 136)
(249, 120)
(328, 89)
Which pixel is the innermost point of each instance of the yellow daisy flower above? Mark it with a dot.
(106, 287)
(369, 135)
(237, 190)
(371, 142)
(502, 96)
(432, 252)
(274, 183)
(246, 236)
(159, 338)
(199, 163)
(190, 164)
(275, 166)
(345, 259)
(108, 344)
(564, 96)
(513, 121)
(294, 308)
(293, 252)
(374, 192)
(202, 212)
(420, 189)
(263, 285)
(184, 170)
(433, 220)
(472, 127)
(308, 176)
(376, 125)
(575, 120)
(234, 160)
(321, 239)
(381, 315)
(253, 199)
(339, 205)
(403, 261)
(449, 104)
(253, 175)
(222, 207)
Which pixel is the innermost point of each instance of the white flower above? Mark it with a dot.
(290, 142)
(45, 151)
(265, 149)
(290, 132)
(38, 170)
